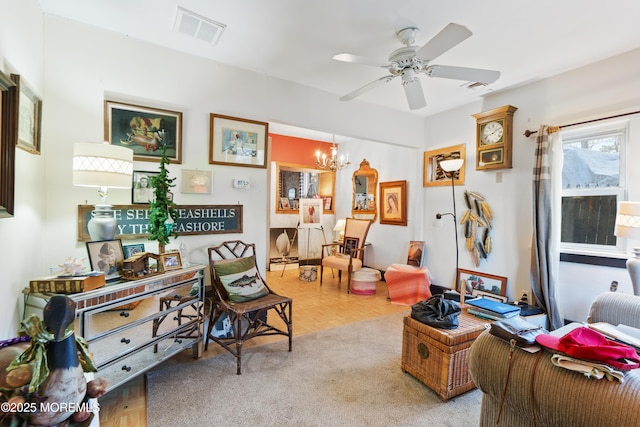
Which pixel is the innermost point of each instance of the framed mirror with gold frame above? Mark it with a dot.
(364, 204)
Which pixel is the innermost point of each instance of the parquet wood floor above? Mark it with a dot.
(315, 308)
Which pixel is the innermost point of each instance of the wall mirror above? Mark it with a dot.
(295, 182)
(365, 185)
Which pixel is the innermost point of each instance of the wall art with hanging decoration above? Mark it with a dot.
(477, 222)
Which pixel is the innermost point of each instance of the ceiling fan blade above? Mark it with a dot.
(366, 88)
(415, 96)
(463, 73)
(356, 59)
(450, 36)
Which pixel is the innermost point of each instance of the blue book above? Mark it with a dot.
(493, 305)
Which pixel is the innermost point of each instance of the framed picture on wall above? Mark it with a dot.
(141, 190)
(434, 175)
(29, 116)
(8, 100)
(196, 181)
(393, 203)
(235, 141)
(144, 130)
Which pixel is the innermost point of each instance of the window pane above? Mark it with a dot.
(592, 162)
(589, 220)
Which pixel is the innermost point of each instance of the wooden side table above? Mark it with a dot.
(438, 357)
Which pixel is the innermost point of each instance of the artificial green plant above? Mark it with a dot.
(162, 209)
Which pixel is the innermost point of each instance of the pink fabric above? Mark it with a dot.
(407, 284)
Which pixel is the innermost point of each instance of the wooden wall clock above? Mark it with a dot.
(494, 135)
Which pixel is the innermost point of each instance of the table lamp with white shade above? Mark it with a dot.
(628, 227)
(103, 166)
(339, 228)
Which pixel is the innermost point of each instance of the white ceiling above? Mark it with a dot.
(295, 40)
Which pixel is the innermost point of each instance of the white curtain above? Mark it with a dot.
(545, 254)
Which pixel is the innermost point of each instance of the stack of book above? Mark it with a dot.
(491, 309)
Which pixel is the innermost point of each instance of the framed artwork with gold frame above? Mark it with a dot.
(433, 175)
(29, 116)
(393, 203)
(494, 138)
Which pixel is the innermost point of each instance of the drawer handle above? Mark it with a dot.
(179, 341)
(125, 340)
(124, 314)
(423, 351)
(126, 368)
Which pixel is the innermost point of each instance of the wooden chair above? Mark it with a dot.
(248, 318)
(346, 256)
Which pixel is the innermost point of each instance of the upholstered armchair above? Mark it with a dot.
(542, 394)
(349, 255)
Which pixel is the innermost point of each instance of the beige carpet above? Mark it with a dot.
(347, 376)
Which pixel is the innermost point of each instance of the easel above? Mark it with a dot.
(324, 238)
(287, 259)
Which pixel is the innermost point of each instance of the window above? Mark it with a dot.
(593, 181)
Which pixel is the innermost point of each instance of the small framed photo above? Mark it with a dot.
(141, 189)
(130, 250)
(350, 243)
(327, 202)
(489, 295)
(171, 260)
(416, 254)
(310, 213)
(393, 203)
(238, 142)
(489, 283)
(434, 175)
(106, 256)
(284, 203)
(196, 181)
(144, 130)
(29, 116)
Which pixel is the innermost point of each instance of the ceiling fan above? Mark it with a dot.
(410, 61)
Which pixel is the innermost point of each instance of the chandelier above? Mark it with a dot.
(333, 163)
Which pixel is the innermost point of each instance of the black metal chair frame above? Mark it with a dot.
(248, 319)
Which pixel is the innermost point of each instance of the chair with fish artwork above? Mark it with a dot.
(240, 293)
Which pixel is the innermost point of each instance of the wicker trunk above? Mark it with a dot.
(438, 357)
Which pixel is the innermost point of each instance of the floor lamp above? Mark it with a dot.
(451, 167)
(628, 227)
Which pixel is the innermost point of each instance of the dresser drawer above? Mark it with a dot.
(122, 370)
(102, 320)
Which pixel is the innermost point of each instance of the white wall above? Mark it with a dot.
(22, 249)
(599, 90)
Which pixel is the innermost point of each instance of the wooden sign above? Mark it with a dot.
(133, 220)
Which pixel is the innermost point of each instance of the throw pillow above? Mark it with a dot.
(240, 279)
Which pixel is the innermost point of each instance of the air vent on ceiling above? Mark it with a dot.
(197, 26)
(473, 85)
